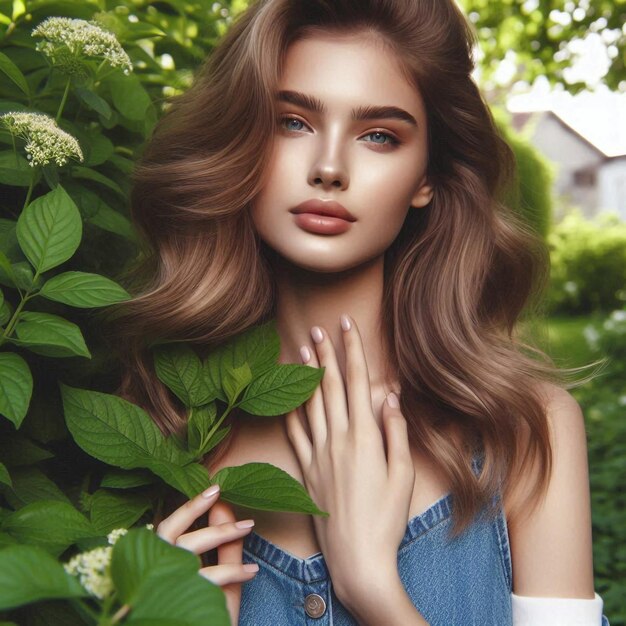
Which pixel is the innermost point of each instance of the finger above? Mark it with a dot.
(204, 539)
(231, 552)
(299, 438)
(226, 574)
(400, 466)
(359, 393)
(333, 388)
(183, 517)
(313, 408)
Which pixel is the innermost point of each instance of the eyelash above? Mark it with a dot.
(392, 143)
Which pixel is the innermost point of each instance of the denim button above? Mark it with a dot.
(314, 605)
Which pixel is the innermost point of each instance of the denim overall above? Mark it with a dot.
(465, 582)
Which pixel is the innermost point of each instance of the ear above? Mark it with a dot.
(423, 195)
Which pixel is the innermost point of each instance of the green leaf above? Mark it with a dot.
(84, 290)
(199, 424)
(49, 230)
(5, 477)
(16, 387)
(218, 435)
(235, 380)
(117, 432)
(161, 582)
(259, 347)
(17, 450)
(111, 510)
(14, 169)
(266, 487)
(126, 479)
(129, 96)
(93, 101)
(281, 389)
(180, 369)
(87, 173)
(50, 335)
(191, 598)
(29, 574)
(50, 524)
(139, 552)
(30, 484)
(11, 70)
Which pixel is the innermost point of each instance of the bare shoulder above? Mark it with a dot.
(551, 545)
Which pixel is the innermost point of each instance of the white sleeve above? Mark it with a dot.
(533, 611)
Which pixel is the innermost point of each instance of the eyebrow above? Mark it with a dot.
(311, 103)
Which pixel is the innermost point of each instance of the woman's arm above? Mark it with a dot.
(551, 546)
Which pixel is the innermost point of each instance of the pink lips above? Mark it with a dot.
(328, 217)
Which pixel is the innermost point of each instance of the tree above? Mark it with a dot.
(546, 38)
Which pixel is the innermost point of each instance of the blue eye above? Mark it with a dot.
(291, 119)
(392, 140)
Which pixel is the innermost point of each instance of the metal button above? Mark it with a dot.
(314, 605)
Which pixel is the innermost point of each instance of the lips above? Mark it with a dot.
(329, 208)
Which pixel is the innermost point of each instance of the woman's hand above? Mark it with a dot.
(222, 533)
(347, 473)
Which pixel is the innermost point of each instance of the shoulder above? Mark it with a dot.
(551, 546)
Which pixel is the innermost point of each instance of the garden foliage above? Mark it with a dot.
(82, 87)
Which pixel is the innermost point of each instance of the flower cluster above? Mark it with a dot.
(93, 567)
(45, 141)
(80, 38)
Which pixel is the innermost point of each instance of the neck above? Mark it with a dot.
(306, 299)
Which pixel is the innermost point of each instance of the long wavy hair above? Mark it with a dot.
(459, 276)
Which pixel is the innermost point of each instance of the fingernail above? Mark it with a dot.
(392, 400)
(345, 322)
(246, 523)
(251, 567)
(211, 491)
(305, 354)
(316, 333)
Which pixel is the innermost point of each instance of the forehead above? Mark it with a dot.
(347, 69)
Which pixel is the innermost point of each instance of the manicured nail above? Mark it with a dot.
(345, 322)
(211, 491)
(316, 333)
(246, 523)
(305, 354)
(251, 567)
(392, 400)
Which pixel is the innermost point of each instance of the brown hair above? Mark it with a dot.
(457, 279)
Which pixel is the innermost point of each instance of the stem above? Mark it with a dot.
(63, 100)
(124, 610)
(13, 321)
(30, 191)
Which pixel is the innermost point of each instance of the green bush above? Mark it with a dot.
(603, 401)
(588, 264)
(77, 465)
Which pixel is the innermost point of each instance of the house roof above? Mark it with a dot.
(599, 118)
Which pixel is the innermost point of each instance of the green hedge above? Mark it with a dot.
(588, 264)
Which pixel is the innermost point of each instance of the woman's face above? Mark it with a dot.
(375, 167)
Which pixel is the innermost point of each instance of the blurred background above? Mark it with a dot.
(554, 75)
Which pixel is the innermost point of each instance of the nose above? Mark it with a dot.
(328, 171)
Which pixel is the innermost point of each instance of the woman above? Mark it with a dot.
(365, 110)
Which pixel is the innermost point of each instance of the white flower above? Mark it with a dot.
(92, 568)
(115, 534)
(570, 287)
(619, 316)
(80, 38)
(592, 336)
(45, 141)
